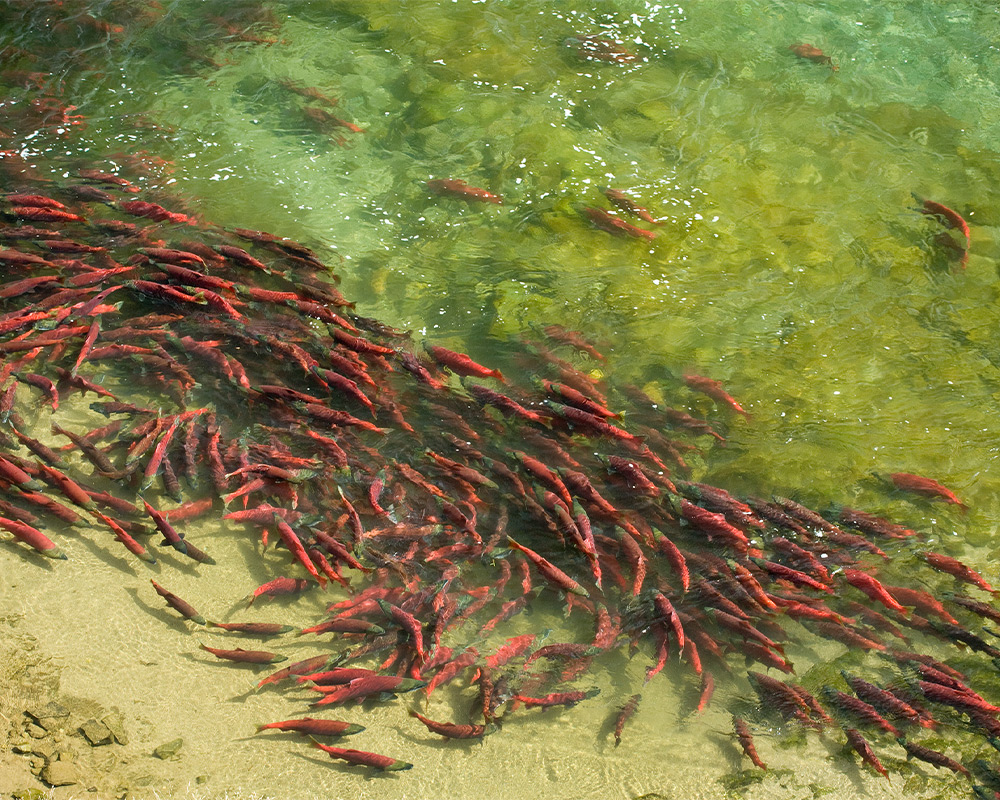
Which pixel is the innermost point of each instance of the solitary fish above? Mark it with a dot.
(253, 628)
(453, 187)
(314, 727)
(245, 656)
(746, 742)
(184, 608)
(629, 206)
(363, 759)
(612, 224)
(950, 219)
(926, 487)
(812, 53)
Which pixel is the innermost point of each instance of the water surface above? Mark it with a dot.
(790, 264)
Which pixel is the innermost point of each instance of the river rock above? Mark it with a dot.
(169, 749)
(28, 794)
(59, 773)
(116, 724)
(44, 748)
(49, 716)
(50, 709)
(97, 733)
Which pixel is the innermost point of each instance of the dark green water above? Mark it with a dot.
(790, 263)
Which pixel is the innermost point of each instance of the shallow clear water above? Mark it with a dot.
(790, 263)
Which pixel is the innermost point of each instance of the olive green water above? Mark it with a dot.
(790, 264)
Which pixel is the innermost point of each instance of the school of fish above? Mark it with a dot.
(222, 373)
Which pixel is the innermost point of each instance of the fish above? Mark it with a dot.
(363, 759)
(955, 568)
(291, 540)
(746, 741)
(870, 524)
(245, 656)
(778, 695)
(873, 588)
(863, 749)
(629, 206)
(922, 601)
(573, 397)
(962, 700)
(33, 537)
(338, 676)
(577, 418)
(592, 47)
(123, 536)
(311, 726)
(715, 390)
(140, 208)
(409, 623)
(508, 406)
(859, 709)
(100, 176)
(35, 200)
(953, 221)
(184, 608)
(324, 118)
(511, 649)
(36, 214)
(12, 473)
(881, 698)
(450, 730)
(812, 53)
(568, 699)
(925, 487)
(461, 364)
(714, 525)
(600, 218)
(298, 668)
(549, 571)
(624, 714)
(253, 628)
(360, 688)
(933, 757)
(455, 187)
(278, 586)
(412, 503)
(786, 573)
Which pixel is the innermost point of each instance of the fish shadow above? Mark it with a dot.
(105, 556)
(845, 757)
(606, 732)
(178, 561)
(369, 773)
(243, 697)
(43, 562)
